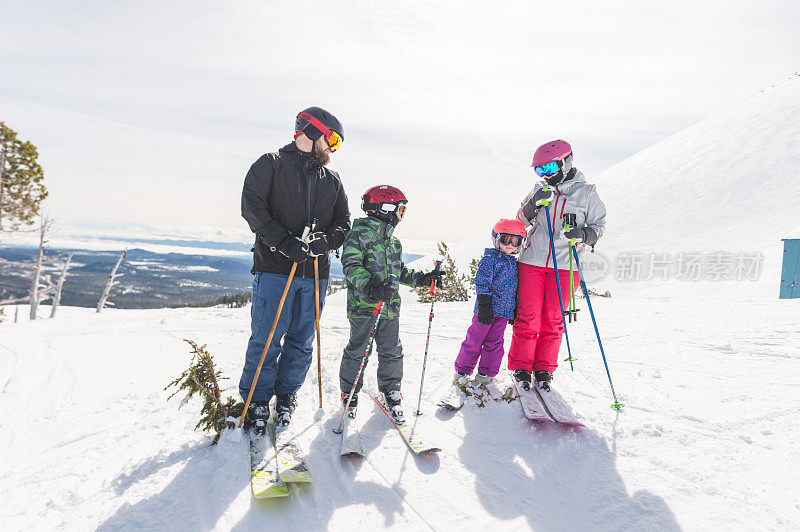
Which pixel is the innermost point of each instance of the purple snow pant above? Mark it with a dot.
(484, 342)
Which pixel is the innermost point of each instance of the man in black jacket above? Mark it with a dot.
(298, 210)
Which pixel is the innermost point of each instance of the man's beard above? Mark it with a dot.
(321, 155)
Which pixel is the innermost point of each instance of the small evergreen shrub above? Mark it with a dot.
(201, 378)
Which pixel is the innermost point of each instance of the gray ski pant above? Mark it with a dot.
(390, 354)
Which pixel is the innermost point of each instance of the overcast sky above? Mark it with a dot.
(150, 113)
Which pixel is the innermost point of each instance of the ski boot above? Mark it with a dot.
(258, 417)
(284, 407)
(483, 379)
(460, 379)
(543, 378)
(392, 401)
(351, 410)
(523, 378)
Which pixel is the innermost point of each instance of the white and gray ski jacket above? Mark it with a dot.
(575, 196)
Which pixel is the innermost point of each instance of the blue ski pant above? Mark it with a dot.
(290, 352)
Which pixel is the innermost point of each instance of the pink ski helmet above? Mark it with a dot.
(556, 150)
(509, 230)
(553, 161)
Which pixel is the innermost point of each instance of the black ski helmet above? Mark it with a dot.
(327, 119)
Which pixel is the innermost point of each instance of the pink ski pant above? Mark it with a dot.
(538, 326)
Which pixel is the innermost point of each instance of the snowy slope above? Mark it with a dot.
(87, 440)
(729, 184)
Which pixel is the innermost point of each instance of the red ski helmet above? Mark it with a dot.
(384, 202)
(508, 229)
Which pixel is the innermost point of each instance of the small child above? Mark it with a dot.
(496, 286)
(370, 255)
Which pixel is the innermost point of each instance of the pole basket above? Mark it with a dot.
(617, 406)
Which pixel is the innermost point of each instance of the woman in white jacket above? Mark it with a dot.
(538, 325)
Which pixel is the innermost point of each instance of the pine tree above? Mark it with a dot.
(21, 188)
(201, 378)
(455, 286)
(473, 271)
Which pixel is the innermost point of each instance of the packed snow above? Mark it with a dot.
(706, 440)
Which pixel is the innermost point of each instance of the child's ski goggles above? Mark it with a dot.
(395, 207)
(333, 139)
(510, 240)
(546, 170)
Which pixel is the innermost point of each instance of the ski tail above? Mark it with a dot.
(409, 435)
(264, 478)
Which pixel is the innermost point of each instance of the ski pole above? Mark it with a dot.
(377, 311)
(312, 227)
(572, 311)
(617, 405)
(269, 341)
(558, 280)
(319, 341)
(433, 292)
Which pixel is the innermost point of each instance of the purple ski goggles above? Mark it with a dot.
(547, 170)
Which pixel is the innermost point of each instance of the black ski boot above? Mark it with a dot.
(523, 378)
(351, 410)
(543, 378)
(258, 417)
(392, 400)
(284, 406)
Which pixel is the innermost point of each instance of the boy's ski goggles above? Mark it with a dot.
(546, 170)
(392, 207)
(333, 139)
(510, 240)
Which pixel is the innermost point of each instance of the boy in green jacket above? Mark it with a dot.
(370, 255)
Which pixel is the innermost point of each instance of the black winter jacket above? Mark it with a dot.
(285, 191)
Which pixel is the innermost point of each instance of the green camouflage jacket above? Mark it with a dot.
(370, 251)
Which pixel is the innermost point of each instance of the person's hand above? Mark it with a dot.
(539, 198)
(542, 197)
(317, 244)
(382, 291)
(582, 234)
(576, 233)
(485, 312)
(427, 278)
(294, 249)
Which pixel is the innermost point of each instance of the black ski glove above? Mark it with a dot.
(530, 209)
(294, 249)
(317, 244)
(485, 312)
(585, 235)
(380, 290)
(426, 278)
